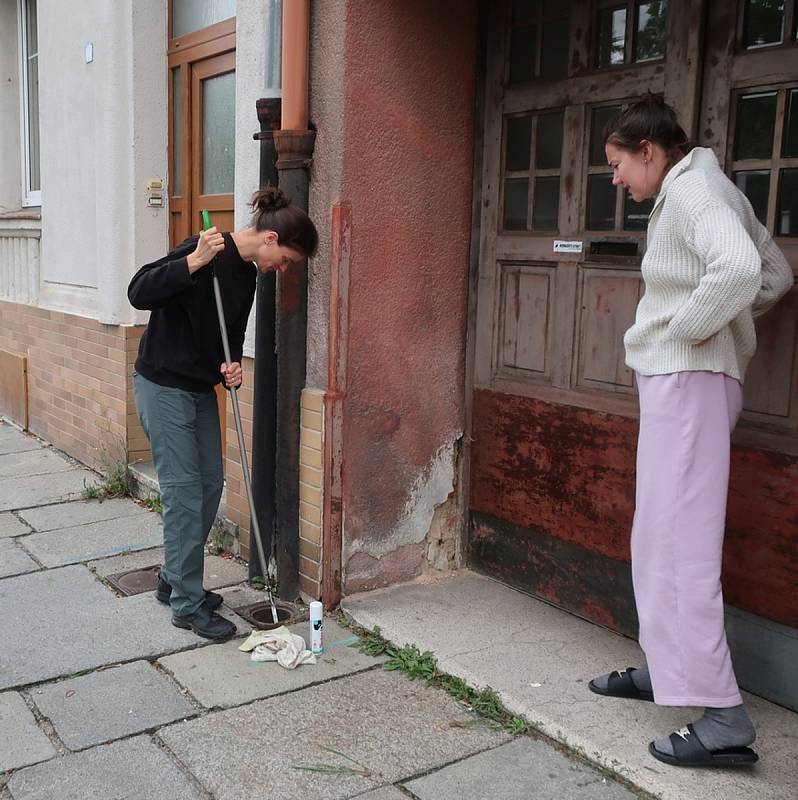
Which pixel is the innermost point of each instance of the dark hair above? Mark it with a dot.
(272, 210)
(650, 119)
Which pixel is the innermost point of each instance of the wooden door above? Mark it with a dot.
(202, 138)
(554, 407)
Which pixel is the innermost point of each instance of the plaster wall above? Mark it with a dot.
(328, 30)
(103, 134)
(258, 70)
(409, 96)
(10, 158)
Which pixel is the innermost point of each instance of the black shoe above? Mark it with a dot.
(206, 623)
(164, 592)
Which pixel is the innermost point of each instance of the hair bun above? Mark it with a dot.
(270, 198)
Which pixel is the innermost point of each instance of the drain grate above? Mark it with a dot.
(260, 614)
(135, 581)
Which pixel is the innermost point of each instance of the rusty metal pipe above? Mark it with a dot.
(296, 64)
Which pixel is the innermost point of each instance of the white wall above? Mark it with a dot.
(103, 133)
(10, 158)
(258, 34)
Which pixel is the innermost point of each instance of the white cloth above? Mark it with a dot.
(280, 645)
(709, 269)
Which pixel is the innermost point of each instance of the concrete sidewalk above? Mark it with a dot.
(539, 659)
(101, 697)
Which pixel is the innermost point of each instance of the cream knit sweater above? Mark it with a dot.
(710, 267)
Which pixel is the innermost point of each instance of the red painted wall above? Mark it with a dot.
(568, 474)
(407, 176)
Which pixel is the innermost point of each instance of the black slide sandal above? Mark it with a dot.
(689, 752)
(620, 684)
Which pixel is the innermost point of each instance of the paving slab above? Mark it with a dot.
(96, 540)
(385, 793)
(242, 595)
(80, 512)
(14, 560)
(111, 704)
(225, 676)
(14, 441)
(61, 621)
(136, 560)
(522, 768)
(10, 525)
(133, 769)
(43, 489)
(395, 728)
(543, 676)
(33, 462)
(22, 742)
(221, 572)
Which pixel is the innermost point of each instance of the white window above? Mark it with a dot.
(29, 110)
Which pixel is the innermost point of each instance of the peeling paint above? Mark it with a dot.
(431, 488)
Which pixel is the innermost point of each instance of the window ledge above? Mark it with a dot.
(23, 214)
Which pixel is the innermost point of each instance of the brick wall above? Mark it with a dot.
(235, 506)
(311, 439)
(79, 384)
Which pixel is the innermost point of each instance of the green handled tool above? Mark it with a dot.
(269, 571)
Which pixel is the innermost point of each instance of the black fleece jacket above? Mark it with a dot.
(182, 346)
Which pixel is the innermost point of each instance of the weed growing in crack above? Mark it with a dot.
(417, 665)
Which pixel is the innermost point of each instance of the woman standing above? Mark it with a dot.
(180, 362)
(710, 268)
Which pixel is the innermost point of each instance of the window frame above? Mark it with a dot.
(777, 162)
(789, 31)
(630, 35)
(30, 197)
(530, 174)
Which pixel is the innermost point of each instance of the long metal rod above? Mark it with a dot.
(242, 449)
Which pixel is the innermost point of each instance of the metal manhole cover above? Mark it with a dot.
(135, 581)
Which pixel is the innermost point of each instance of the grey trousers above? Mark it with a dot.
(183, 429)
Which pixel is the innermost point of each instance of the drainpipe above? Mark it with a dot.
(264, 403)
(294, 143)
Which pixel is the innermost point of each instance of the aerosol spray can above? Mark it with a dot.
(316, 612)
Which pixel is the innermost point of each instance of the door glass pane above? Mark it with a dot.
(191, 15)
(651, 33)
(612, 36)
(548, 148)
(764, 21)
(554, 49)
(523, 49)
(755, 185)
(516, 193)
(787, 222)
(600, 117)
(525, 9)
(547, 204)
(218, 133)
(600, 203)
(519, 135)
(756, 121)
(635, 215)
(177, 133)
(791, 126)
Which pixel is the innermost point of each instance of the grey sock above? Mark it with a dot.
(719, 728)
(640, 678)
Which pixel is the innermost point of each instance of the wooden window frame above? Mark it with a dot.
(630, 35)
(538, 22)
(530, 174)
(789, 32)
(777, 162)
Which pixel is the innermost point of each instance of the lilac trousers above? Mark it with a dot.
(683, 454)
